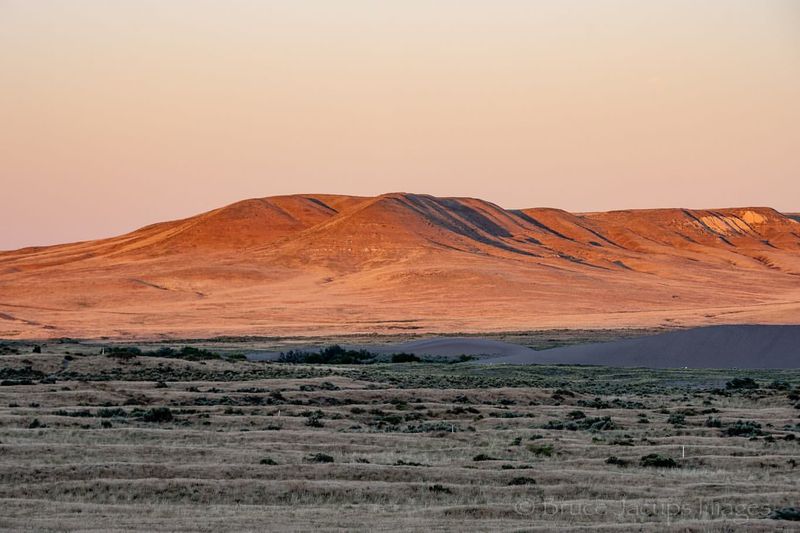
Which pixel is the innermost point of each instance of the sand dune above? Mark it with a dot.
(319, 264)
(732, 346)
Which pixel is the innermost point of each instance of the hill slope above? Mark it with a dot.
(311, 264)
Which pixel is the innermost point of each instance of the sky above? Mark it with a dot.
(114, 115)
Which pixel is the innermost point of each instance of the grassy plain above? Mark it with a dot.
(92, 442)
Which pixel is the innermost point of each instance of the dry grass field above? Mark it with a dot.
(98, 442)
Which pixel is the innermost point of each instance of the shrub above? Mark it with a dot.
(614, 460)
(190, 353)
(405, 358)
(458, 410)
(400, 462)
(627, 404)
(123, 352)
(587, 424)
(621, 442)
(743, 428)
(83, 413)
(7, 349)
(20, 376)
(522, 480)
(314, 422)
(598, 424)
(484, 457)
(391, 420)
(541, 450)
(332, 355)
(779, 385)
(108, 412)
(676, 419)
(713, 422)
(597, 403)
(432, 427)
(560, 425)
(785, 513)
(320, 458)
(158, 414)
(655, 460)
(741, 383)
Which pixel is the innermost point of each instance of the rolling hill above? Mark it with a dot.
(322, 264)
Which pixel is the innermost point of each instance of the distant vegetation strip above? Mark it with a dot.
(337, 355)
(329, 355)
(189, 353)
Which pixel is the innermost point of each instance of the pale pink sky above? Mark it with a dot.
(116, 114)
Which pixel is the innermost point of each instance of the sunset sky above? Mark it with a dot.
(117, 114)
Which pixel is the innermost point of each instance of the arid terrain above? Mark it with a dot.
(102, 438)
(432, 266)
(323, 264)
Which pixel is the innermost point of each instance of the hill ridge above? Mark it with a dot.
(409, 262)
